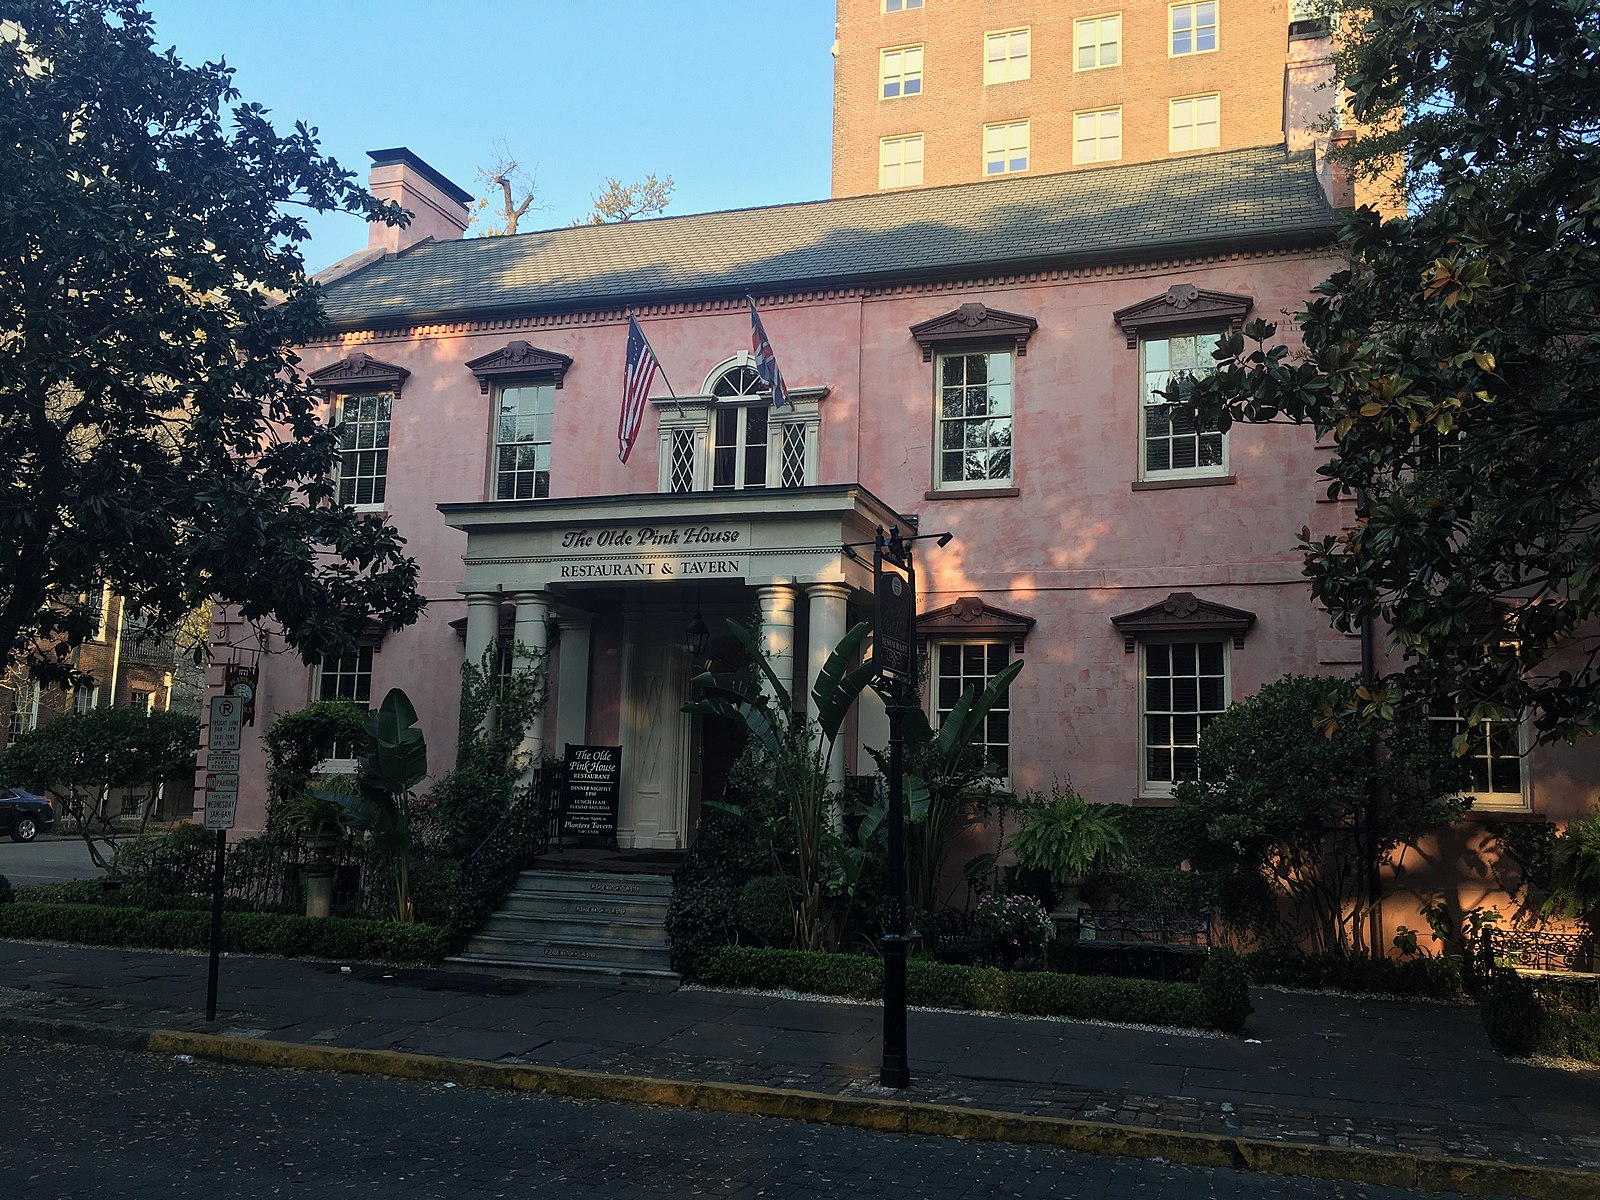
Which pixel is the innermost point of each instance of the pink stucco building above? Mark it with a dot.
(978, 359)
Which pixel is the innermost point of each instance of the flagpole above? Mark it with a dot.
(660, 370)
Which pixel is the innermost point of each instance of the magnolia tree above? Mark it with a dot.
(155, 434)
(1456, 362)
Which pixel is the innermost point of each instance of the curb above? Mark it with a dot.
(1387, 1168)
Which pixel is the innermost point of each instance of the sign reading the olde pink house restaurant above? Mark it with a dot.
(592, 791)
(691, 550)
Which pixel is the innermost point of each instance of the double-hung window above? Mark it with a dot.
(24, 710)
(962, 666)
(1097, 135)
(974, 435)
(1098, 42)
(900, 161)
(1183, 687)
(1173, 445)
(1005, 55)
(522, 441)
(1495, 758)
(1192, 28)
(894, 6)
(345, 677)
(732, 439)
(364, 449)
(900, 72)
(1194, 123)
(85, 698)
(1005, 148)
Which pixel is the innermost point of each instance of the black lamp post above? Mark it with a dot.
(894, 624)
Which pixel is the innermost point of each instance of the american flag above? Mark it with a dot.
(766, 361)
(637, 375)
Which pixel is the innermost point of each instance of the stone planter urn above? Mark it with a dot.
(319, 872)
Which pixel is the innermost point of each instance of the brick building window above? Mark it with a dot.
(1005, 55)
(1193, 28)
(1194, 123)
(142, 700)
(900, 161)
(1097, 136)
(1098, 41)
(85, 697)
(892, 6)
(900, 72)
(1005, 148)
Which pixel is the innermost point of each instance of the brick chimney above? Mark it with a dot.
(438, 207)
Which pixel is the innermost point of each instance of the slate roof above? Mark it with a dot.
(1204, 204)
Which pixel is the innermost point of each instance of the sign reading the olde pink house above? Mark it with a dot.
(691, 550)
(592, 791)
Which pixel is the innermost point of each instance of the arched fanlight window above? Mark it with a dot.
(739, 429)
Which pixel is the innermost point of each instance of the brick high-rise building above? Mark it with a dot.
(931, 92)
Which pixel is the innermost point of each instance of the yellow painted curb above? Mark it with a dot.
(1385, 1168)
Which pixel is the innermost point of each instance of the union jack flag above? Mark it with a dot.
(766, 361)
(638, 373)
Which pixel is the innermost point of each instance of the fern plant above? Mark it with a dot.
(1067, 836)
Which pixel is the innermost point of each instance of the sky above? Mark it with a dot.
(732, 98)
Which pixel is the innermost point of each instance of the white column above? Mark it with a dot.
(572, 688)
(483, 625)
(828, 616)
(777, 630)
(532, 640)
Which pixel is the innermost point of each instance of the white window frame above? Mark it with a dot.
(93, 693)
(520, 444)
(1008, 66)
(1100, 138)
(895, 67)
(900, 142)
(1149, 382)
(940, 417)
(1193, 123)
(148, 696)
(24, 716)
(1162, 789)
(344, 765)
(1096, 40)
(894, 6)
(1005, 130)
(694, 418)
(1194, 8)
(937, 711)
(1520, 800)
(381, 478)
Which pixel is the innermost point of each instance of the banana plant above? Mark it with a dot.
(799, 749)
(394, 761)
(942, 773)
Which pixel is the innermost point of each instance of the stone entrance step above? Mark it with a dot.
(571, 925)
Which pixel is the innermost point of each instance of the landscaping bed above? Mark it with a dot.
(1219, 999)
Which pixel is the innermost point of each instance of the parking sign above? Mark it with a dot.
(227, 720)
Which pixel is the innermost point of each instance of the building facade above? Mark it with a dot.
(978, 359)
(934, 92)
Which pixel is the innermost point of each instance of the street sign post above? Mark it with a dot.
(227, 721)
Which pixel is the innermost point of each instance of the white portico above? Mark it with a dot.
(607, 587)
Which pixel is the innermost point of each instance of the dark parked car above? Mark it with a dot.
(23, 815)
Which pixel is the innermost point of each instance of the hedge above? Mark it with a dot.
(1520, 1022)
(1430, 977)
(1220, 1000)
(242, 932)
(100, 893)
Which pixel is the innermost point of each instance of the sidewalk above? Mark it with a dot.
(1316, 1070)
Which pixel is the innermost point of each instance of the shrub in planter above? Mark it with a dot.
(1225, 991)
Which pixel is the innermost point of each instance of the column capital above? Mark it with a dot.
(829, 589)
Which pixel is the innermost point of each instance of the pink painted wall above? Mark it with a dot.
(1075, 547)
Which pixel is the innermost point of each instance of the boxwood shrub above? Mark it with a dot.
(1219, 1001)
(242, 932)
(1521, 1021)
(1431, 977)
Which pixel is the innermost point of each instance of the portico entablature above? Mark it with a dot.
(757, 537)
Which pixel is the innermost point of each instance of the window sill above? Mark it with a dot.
(1162, 485)
(1153, 801)
(1524, 814)
(972, 493)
